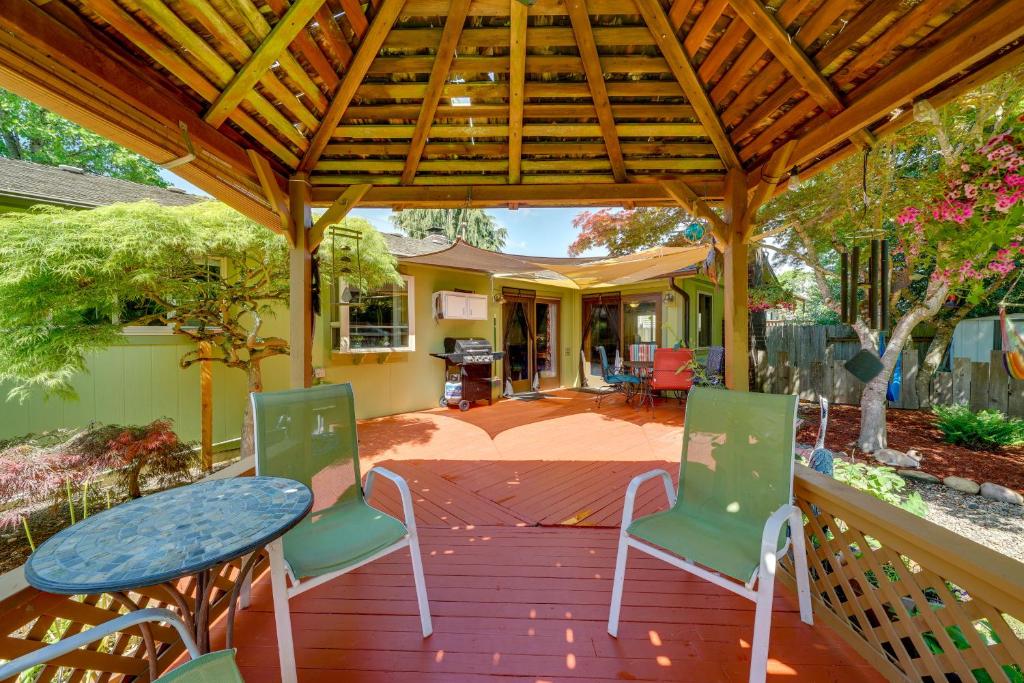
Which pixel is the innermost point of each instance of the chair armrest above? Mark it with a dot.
(403, 490)
(773, 527)
(121, 623)
(634, 486)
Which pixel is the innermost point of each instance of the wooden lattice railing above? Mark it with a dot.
(916, 600)
(30, 618)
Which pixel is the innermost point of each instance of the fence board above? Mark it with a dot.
(961, 380)
(908, 393)
(978, 391)
(998, 382)
(942, 389)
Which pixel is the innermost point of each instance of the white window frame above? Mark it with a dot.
(342, 324)
(163, 330)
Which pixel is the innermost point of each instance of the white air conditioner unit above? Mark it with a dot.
(460, 306)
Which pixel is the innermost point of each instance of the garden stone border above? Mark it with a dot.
(987, 490)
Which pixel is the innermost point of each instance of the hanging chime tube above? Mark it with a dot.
(874, 266)
(854, 284)
(884, 276)
(844, 287)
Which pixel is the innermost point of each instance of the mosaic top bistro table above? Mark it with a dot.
(164, 537)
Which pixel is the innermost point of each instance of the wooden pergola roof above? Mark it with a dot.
(490, 102)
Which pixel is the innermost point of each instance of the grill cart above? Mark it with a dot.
(469, 372)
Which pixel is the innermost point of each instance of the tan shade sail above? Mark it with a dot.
(623, 270)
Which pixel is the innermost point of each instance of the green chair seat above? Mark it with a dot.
(699, 538)
(216, 667)
(338, 537)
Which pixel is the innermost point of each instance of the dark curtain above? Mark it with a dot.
(515, 311)
(610, 305)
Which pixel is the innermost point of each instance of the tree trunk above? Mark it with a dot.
(933, 358)
(873, 403)
(248, 442)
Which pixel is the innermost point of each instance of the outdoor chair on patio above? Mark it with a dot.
(310, 435)
(620, 384)
(727, 522)
(668, 373)
(714, 367)
(215, 667)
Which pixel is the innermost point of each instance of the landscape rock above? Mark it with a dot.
(1001, 493)
(895, 458)
(961, 484)
(918, 475)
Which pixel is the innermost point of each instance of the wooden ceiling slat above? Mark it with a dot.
(224, 35)
(178, 30)
(539, 37)
(356, 19)
(534, 90)
(864, 21)
(796, 115)
(334, 38)
(723, 47)
(534, 110)
(443, 58)
(796, 62)
(672, 51)
(263, 57)
(892, 37)
(367, 52)
(166, 57)
(698, 33)
(974, 32)
(579, 16)
(518, 41)
(530, 130)
(500, 8)
(535, 64)
(680, 11)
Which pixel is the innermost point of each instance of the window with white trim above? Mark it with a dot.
(376, 321)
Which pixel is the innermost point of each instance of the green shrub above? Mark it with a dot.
(881, 482)
(984, 430)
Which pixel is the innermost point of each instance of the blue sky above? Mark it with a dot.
(535, 232)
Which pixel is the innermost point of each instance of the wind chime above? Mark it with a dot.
(342, 267)
(877, 284)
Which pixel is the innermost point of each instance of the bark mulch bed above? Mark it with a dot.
(915, 429)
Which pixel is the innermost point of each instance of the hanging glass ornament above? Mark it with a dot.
(694, 232)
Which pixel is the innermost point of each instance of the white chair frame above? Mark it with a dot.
(71, 643)
(281, 574)
(763, 576)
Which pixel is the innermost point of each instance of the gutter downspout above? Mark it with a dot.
(686, 309)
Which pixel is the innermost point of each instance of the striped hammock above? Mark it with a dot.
(1013, 346)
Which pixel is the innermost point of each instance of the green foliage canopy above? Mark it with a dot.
(31, 133)
(70, 280)
(473, 226)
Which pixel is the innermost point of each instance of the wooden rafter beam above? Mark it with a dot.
(666, 39)
(274, 193)
(276, 42)
(336, 212)
(796, 62)
(456, 19)
(688, 199)
(367, 52)
(455, 196)
(973, 40)
(774, 169)
(579, 16)
(519, 18)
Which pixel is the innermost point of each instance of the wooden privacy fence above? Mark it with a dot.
(808, 360)
(919, 602)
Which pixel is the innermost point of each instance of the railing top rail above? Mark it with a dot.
(981, 571)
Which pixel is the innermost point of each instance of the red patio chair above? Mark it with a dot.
(667, 376)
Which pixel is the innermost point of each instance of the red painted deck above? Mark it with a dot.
(517, 506)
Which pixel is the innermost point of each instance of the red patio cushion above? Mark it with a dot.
(666, 363)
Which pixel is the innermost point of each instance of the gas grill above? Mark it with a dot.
(469, 372)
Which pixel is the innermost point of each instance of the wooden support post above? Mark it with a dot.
(737, 351)
(206, 405)
(300, 282)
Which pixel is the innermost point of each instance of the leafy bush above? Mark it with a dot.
(881, 482)
(984, 430)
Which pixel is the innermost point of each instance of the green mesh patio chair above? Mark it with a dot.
(727, 521)
(310, 435)
(215, 667)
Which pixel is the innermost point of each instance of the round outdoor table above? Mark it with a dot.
(161, 538)
(643, 370)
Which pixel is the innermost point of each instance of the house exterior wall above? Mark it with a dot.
(140, 380)
(396, 382)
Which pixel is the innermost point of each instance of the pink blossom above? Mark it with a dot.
(970, 191)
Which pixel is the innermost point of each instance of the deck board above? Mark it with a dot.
(518, 507)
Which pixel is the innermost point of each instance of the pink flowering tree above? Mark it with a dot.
(950, 247)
